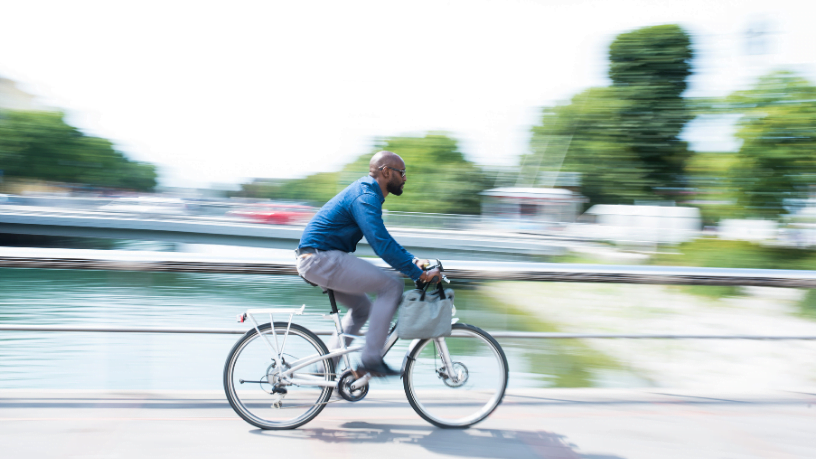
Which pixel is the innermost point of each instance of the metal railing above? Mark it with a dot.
(115, 260)
(495, 334)
(11, 257)
(431, 221)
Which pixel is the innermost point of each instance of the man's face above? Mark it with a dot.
(396, 183)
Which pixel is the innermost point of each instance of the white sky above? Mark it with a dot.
(222, 92)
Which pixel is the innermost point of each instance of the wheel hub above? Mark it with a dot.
(460, 371)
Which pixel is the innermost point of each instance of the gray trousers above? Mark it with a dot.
(351, 278)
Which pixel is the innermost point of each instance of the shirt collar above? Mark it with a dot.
(373, 182)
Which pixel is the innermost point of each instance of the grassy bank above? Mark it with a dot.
(555, 362)
(718, 253)
(709, 252)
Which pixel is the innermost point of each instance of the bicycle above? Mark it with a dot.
(273, 383)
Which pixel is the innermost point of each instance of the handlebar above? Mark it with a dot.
(430, 266)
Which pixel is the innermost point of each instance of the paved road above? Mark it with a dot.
(559, 423)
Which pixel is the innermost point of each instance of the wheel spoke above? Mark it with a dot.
(480, 367)
(268, 402)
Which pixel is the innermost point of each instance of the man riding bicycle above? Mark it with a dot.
(324, 257)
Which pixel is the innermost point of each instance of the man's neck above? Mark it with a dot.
(382, 184)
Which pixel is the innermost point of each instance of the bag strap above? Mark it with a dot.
(441, 290)
(422, 297)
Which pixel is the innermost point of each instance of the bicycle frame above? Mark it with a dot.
(288, 374)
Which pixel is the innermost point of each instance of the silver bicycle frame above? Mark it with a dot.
(278, 350)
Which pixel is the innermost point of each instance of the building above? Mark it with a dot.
(530, 209)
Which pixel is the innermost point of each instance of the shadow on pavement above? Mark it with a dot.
(480, 443)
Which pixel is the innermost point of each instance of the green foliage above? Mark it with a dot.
(650, 66)
(807, 306)
(776, 160)
(710, 291)
(41, 146)
(718, 253)
(565, 363)
(657, 57)
(439, 178)
(317, 188)
(592, 126)
(708, 174)
(624, 138)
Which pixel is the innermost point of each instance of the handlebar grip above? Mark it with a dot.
(431, 265)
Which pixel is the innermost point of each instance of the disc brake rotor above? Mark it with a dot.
(461, 372)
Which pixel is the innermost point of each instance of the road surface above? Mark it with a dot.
(553, 423)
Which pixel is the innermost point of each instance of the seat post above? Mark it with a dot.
(332, 300)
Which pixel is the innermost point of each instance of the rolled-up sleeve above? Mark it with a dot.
(368, 214)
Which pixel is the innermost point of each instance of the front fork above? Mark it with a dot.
(442, 349)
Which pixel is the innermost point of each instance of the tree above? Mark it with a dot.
(440, 179)
(624, 139)
(649, 67)
(590, 129)
(40, 145)
(777, 159)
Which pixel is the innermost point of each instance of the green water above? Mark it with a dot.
(74, 360)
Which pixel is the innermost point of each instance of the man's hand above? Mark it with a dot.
(429, 276)
(421, 263)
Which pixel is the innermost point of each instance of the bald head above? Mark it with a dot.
(384, 167)
(382, 159)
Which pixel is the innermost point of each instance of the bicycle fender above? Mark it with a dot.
(411, 347)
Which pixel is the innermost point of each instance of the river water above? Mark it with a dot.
(78, 360)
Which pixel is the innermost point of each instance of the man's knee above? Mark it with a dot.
(394, 286)
(358, 302)
(360, 315)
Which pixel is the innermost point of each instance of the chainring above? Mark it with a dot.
(345, 390)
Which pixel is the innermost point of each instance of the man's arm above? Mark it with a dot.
(367, 213)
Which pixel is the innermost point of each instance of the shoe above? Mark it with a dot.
(378, 370)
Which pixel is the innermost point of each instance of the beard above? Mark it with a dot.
(395, 188)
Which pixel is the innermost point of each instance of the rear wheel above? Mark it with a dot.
(481, 374)
(258, 396)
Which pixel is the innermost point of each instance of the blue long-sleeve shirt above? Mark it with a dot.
(356, 212)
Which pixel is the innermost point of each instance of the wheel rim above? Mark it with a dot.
(256, 399)
(458, 404)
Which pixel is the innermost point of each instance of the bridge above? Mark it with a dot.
(445, 244)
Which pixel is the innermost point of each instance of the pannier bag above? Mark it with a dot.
(424, 314)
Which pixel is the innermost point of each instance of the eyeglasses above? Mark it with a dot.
(401, 171)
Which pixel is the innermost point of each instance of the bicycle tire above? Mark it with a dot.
(419, 387)
(239, 403)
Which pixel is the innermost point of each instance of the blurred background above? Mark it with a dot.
(618, 132)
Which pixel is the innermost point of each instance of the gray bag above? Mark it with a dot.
(424, 314)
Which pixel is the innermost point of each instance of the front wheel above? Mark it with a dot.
(481, 374)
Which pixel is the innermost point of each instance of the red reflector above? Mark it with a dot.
(241, 317)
